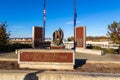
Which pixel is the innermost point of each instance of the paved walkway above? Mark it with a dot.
(88, 57)
(104, 58)
(8, 56)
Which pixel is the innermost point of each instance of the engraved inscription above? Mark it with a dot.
(45, 57)
(79, 42)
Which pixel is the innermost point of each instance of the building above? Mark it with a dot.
(21, 40)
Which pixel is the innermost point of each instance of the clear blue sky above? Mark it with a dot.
(21, 15)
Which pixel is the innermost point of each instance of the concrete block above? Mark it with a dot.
(89, 51)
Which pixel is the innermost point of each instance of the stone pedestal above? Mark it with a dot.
(53, 46)
(46, 59)
(57, 47)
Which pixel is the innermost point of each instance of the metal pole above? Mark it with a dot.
(44, 17)
(74, 23)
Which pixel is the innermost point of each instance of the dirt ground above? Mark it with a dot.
(99, 68)
(88, 67)
(9, 65)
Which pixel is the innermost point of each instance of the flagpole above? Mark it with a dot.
(74, 23)
(44, 17)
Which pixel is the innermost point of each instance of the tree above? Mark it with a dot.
(114, 33)
(4, 36)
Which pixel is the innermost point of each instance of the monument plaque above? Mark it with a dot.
(46, 59)
(80, 37)
(61, 57)
(37, 36)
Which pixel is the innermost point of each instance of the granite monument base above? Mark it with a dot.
(57, 47)
(46, 59)
(53, 46)
(47, 66)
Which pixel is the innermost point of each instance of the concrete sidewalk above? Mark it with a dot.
(111, 58)
(55, 75)
(8, 56)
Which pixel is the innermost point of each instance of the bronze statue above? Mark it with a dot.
(58, 37)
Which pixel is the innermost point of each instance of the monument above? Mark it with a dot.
(80, 37)
(58, 37)
(55, 58)
(57, 42)
(37, 36)
(46, 59)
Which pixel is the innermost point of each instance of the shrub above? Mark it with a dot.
(3, 48)
(112, 51)
(13, 47)
(89, 46)
(106, 50)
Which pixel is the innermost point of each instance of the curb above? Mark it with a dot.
(8, 59)
(107, 62)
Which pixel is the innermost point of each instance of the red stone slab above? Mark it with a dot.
(80, 37)
(38, 33)
(61, 57)
(57, 47)
(37, 36)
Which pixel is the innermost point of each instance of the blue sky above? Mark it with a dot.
(21, 15)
